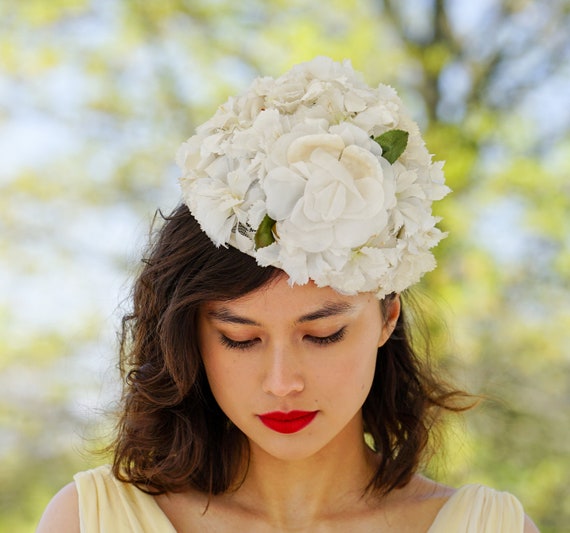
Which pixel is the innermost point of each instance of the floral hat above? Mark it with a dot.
(321, 176)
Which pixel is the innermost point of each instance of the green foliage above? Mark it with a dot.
(393, 144)
(37, 13)
(264, 234)
(452, 144)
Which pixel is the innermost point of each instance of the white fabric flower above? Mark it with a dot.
(301, 150)
(329, 195)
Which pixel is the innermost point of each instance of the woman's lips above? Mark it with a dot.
(290, 422)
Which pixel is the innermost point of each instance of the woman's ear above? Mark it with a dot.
(391, 313)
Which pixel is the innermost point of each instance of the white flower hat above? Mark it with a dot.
(321, 176)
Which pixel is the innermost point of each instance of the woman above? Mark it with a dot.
(271, 384)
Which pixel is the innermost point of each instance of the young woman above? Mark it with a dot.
(270, 379)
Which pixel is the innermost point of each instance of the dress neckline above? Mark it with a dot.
(457, 494)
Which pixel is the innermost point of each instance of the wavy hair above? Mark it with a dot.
(172, 434)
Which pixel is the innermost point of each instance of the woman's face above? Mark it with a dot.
(292, 366)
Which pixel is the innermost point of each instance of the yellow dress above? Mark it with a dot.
(110, 506)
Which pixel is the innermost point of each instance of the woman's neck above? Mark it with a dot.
(297, 493)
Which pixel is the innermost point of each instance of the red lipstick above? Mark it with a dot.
(290, 422)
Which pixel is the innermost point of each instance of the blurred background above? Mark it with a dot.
(97, 95)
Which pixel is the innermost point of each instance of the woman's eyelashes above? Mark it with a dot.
(237, 345)
(337, 336)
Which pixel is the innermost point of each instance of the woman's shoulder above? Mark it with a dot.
(97, 500)
(62, 513)
(480, 507)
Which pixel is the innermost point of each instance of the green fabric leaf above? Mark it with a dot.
(264, 234)
(393, 144)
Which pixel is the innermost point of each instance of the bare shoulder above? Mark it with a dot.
(62, 513)
(438, 494)
(529, 526)
(187, 509)
(415, 506)
(424, 488)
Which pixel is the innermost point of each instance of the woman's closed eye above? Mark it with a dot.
(233, 344)
(238, 345)
(337, 336)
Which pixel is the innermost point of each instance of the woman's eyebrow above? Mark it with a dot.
(223, 314)
(329, 309)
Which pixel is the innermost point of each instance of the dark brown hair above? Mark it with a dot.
(173, 435)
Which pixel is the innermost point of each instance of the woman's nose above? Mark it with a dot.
(282, 373)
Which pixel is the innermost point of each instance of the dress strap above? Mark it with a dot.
(107, 504)
(480, 509)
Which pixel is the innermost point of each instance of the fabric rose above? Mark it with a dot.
(332, 196)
